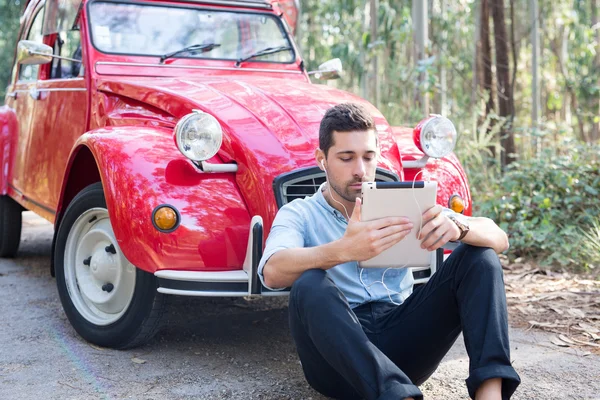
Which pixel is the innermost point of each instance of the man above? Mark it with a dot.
(352, 337)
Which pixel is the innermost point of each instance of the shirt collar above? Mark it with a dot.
(323, 202)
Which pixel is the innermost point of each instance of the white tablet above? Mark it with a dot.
(399, 199)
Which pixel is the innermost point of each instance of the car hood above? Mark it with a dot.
(277, 117)
(271, 126)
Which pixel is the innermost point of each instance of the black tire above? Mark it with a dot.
(140, 321)
(10, 226)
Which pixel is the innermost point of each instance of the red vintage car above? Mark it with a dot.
(160, 138)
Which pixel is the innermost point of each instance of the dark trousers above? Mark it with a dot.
(383, 351)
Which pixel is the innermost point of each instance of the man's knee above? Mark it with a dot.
(483, 260)
(312, 286)
(487, 259)
(309, 279)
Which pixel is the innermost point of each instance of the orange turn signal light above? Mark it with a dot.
(456, 204)
(165, 218)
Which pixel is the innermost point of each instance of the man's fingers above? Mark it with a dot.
(436, 239)
(388, 221)
(442, 240)
(432, 212)
(426, 230)
(430, 238)
(430, 225)
(391, 240)
(357, 211)
(393, 229)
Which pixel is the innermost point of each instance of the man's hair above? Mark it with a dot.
(343, 118)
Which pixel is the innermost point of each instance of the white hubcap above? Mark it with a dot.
(100, 280)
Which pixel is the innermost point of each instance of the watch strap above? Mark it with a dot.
(464, 228)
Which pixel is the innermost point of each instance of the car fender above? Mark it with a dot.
(451, 179)
(140, 169)
(446, 171)
(8, 135)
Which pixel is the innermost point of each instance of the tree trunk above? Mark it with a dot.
(374, 7)
(504, 91)
(560, 50)
(485, 58)
(595, 132)
(484, 67)
(536, 104)
(421, 39)
(515, 54)
(476, 55)
(443, 81)
(363, 58)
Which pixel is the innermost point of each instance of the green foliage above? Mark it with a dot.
(10, 11)
(475, 152)
(549, 206)
(547, 202)
(570, 61)
(544, 223)
(590, 243)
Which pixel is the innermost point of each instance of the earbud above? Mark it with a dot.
(323, 164)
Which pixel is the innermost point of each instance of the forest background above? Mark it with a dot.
(519, 78)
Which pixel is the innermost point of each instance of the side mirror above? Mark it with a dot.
(31, 53)
(331, 69)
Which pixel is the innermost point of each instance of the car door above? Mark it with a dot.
(58, 120)
(23, 97)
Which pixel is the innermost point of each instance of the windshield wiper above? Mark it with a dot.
(190, 49)
(263, 52)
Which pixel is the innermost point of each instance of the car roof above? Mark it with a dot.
(264, 4)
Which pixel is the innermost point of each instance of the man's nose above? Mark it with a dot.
(360, 169)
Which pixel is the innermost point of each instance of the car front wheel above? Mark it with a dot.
(10, 226)
(107, 299)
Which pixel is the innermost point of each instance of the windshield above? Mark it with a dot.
(156, 30)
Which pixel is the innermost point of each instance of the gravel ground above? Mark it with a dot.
(211, 349)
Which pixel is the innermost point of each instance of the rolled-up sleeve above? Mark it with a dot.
(287, 232)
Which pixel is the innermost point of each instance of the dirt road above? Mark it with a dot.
(210, 349)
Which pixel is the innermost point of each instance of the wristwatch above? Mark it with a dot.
(462, 222)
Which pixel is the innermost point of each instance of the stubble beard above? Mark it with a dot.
(346, 193)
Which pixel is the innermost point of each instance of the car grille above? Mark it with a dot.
(301, 187)
(305, 182)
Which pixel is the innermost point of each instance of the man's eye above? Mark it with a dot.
(345, 159)
(369, 158)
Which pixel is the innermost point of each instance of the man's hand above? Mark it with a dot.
(437, 229)
(366, 239)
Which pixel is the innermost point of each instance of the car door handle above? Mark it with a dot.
(34, 93)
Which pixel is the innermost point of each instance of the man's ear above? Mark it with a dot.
(320, 158)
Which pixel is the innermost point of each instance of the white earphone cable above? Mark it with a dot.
(390, 292)
(331, 194)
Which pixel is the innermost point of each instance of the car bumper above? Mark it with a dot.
(245, 282)
(239, 283)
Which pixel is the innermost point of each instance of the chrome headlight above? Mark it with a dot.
(435, 136)
(198, 136)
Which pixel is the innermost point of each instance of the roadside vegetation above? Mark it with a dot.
(519, 78)
(531, 147)
(549, 203)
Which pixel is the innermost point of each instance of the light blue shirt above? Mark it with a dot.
(313, 222)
